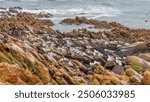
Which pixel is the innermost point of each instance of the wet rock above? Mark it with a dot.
(98, 24)
(43, 15)
(146, 20)
(77, 20)
(14, 9)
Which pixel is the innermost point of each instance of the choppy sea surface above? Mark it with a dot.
(132, 13)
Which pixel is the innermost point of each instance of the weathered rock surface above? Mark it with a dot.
(24, 25)
(32, 52)
(98, 24)
(115, 31)
(134, 60)
(146, 79)
(145, 56)
(109, 78)
(13, 74)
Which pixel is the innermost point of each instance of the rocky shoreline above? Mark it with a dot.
(33, 52)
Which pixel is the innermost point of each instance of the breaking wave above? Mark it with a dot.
(88, 11)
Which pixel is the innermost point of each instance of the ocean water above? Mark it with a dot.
(132, 13)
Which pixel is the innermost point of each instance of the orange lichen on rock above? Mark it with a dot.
(13, 74)
(32, 52)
